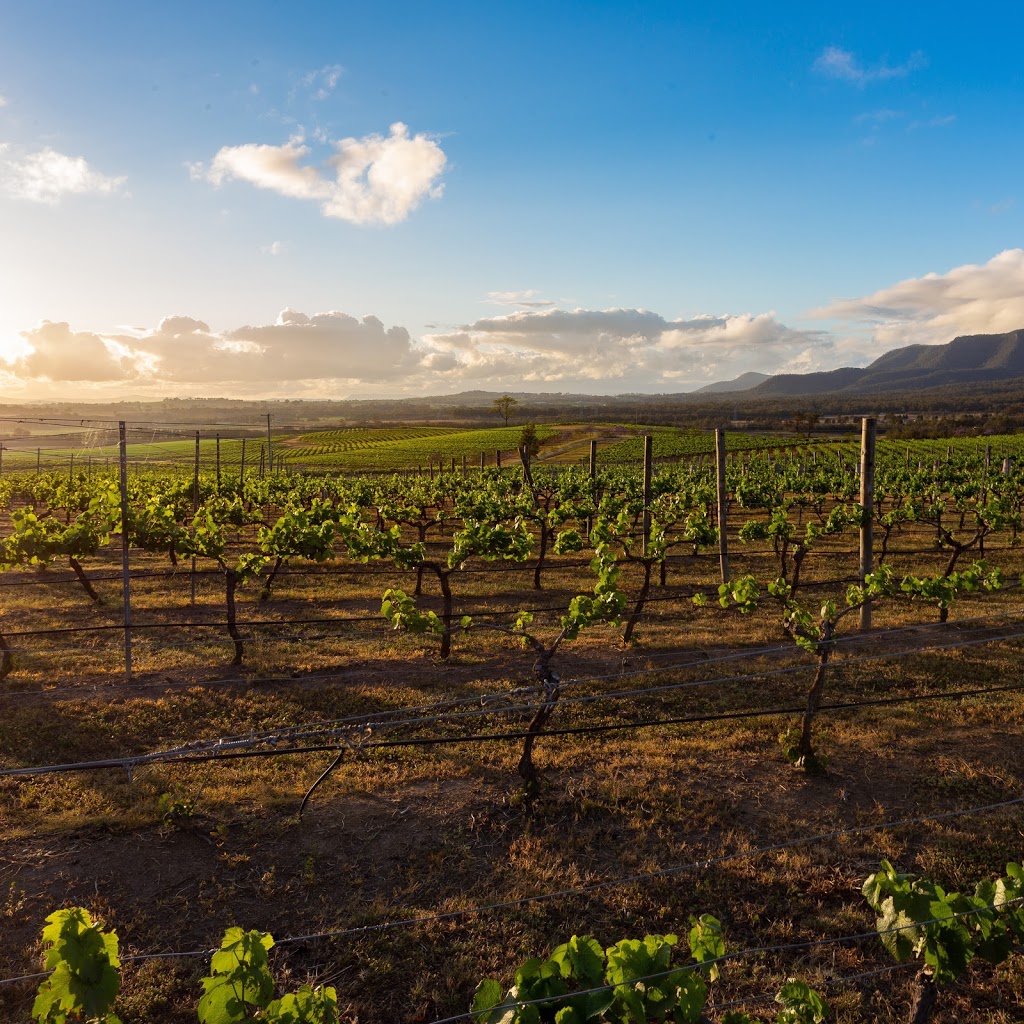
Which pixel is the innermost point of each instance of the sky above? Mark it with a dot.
(333, 200)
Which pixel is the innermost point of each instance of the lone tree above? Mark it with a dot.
(505, 406)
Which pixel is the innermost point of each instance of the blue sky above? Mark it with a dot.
(599, 197)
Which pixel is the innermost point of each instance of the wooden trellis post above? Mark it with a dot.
(125, 578)
(723, 499)
(867, 503)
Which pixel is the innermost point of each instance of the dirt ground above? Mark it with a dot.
(175, 853)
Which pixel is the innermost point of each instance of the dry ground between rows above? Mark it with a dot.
(173, 855)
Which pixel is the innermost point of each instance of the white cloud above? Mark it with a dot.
(528, 298)
(3, 101)
(47, 176)
(275, 248)
(376, 179)
(985, 298)
(328, 353)
(321, 83)
(296, 352)
(878, 116)
(940, 121)
(332, 354)
(272, 167)
(835, 62)
(627, 349)
(332, 345)
(58, 353)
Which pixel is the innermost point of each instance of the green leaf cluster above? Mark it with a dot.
(84, 963)
(240, 988)
(632, 982)
(918, 919)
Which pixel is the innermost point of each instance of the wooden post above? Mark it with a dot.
(217, 439)
(593, 478)
(723, 498)
(463, 465)
(453, 463)
(270, 448)
(648, 450)
(497, 458)
(263, 456)
(483, 458)
(125, 579)
(195, 508)
(867, 503)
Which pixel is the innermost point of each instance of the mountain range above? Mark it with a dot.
(970, 359)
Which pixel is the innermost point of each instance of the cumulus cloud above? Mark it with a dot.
(46, 176)
(3, 101)
(986, 298)
(375, 179)
(835, 62)
(297, 347)
(60, 354)
(330, 346)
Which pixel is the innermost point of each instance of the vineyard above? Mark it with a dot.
(357, 449)
(456, 735)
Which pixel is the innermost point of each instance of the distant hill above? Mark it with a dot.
(973, 358)
(744, 382)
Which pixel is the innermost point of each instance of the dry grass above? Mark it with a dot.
(405, 832)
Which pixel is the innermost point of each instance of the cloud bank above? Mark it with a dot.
(335, 354)
(377, 179)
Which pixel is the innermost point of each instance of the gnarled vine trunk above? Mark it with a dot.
(805, 747)
(84, 580)
(641, 600)
(230, 585)
(924, 998)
